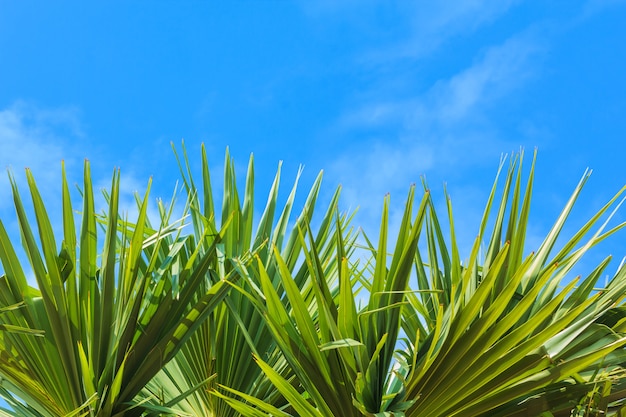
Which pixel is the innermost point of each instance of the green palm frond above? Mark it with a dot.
(497, 334)
(268, 313)
(342, 357)
(110, 313)
(505, 328)
(222, 350)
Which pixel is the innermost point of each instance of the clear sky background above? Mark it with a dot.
(376, 93)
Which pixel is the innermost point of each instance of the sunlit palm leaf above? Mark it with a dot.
(109, 324)
(221, 351)
(483, 337)
(506, 325)
(341, 357)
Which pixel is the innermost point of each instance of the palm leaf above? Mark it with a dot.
(221, 353)
(109, 326)
(505, 324)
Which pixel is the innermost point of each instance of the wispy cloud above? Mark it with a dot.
(444, 130)
(497, 71)
(425, 26)
(434, 23)
(501, 70)
(446, 126)
(451, 129)
(37, 139)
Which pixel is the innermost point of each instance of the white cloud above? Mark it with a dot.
(37, 139)
(450, 117)
(440, 132)
(379, 169)
(405, 30)
(431, 24)
(452, 124)
(500, 70)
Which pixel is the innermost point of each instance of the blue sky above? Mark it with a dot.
(376, 93)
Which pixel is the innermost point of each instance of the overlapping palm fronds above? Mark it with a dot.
(113, 312)
(509, 334)
(499, 334)
(264, 313)
(221, 351)
(342, 355)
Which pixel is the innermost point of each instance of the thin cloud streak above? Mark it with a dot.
(500, 70)
(29, 140)
(442, 132)
(446, 126)
(432, 24)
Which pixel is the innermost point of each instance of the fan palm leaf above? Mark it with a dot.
(341, 355)
(110, 312)
(222, 350)
(503, 327)
(483, 337)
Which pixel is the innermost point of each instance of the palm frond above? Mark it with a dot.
(111, 318)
